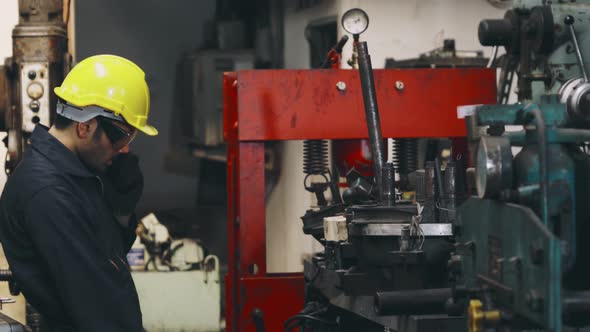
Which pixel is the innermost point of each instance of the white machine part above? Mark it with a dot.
(335, 229)
(154, 231)
(169, 255)
(185, 254)
(34, 95)
(180, 291)
(187, 301)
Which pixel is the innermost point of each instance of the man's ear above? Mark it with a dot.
(86, 129)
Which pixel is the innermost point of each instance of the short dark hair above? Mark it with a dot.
(61, 122)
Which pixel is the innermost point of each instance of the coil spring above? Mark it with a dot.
(315, 157)
(405, 155)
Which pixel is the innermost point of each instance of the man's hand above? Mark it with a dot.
(123, 184)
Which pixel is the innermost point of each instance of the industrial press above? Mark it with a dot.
(512, 256)
(379, 237)
(386, 242)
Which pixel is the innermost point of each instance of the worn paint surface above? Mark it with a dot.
(293, 104)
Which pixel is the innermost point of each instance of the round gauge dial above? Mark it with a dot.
(355, 21)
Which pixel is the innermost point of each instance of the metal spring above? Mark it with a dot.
(315, 157)
(5, 275)
(405, 155)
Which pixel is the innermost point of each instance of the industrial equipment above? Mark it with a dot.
(180, 300)
(202, 99)
(355, 21)
(39, 62)
(376, 243)
(384, 266)
(177, 280)
(446, 56)
(8, 324)
(521, 256)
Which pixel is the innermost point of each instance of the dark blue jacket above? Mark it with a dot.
(64, 246)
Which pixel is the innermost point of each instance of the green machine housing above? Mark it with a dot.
(521, 251)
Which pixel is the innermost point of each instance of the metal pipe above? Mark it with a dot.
(576, 308)
(412, 302)
(450, 191)
(576, 302)
(569, 21)
(430, 192)
(439, 179)
(372, 114)
(572, 135)
(388, 185)
(440, 194)
(492, 61)
(543, 164)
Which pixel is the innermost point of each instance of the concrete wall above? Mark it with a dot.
(154, 34)
(398, 28)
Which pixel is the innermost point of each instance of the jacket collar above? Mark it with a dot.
(62, 157)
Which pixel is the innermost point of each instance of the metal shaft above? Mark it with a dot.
(388, 191)
(543, 163)
(412, 302)
(372, 114)
(569, 21)
(439, 206)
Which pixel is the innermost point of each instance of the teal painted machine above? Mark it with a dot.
(522, 254)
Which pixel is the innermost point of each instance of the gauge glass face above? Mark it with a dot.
(355, 21)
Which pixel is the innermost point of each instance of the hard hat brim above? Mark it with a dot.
(148, 130)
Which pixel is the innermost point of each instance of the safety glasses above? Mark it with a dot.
(119, 134)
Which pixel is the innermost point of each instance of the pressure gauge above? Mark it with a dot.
(355, 21)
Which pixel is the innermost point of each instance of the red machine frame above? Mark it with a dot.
(266, 105)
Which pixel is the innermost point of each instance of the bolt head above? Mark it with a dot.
(399, 85)
(341, 86)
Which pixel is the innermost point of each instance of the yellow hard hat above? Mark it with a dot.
(113, 83)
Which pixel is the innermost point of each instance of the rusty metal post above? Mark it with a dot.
(39, 62)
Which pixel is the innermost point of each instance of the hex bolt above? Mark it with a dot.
(399, 85)
(341, 86)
